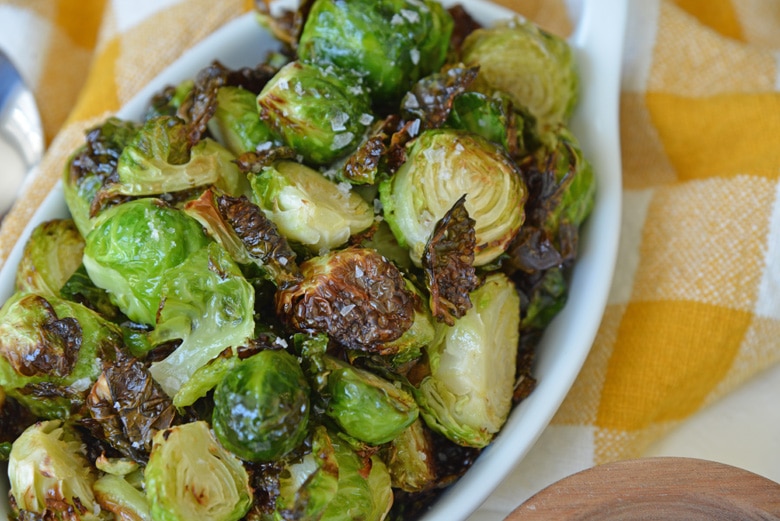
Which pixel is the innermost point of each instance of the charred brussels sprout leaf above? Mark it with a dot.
(50, 475)
(448, 261)
(355, 296)
(308, 208)
(92, 166)
(52, 254)
(431, 98)
(190, 476)
(534, 67)
(366, 406)
(261, 407)
(127, 407)
(391, 43)
(442, 166)
(207, 304)
(246, 233)
(468, 394)
(320, 114)
(132, 246)
(50, 350)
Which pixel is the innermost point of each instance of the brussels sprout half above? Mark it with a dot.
(441, 167)
(50, 475)
(261, 407)
(191, 476)
(132, 245)
(468, 394)
(236, 123)
(51, 351)
(308, 208)
(390, 43)
(534, 67)
(51, 256)
(320, 114)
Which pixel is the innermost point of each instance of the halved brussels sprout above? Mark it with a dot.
(468, 394)
(51, 256)
(534, 67)
(441, 167)
(116, 495)
(51, 351)
(391, 43)
(50, 475)
(261, 407)
(315, 111)
(355, 295)
(132, 245)
(206, 303)
(191, 476)
(411, 459)
(160, 160)
(236, 122)
(365, 405)
(308, 208)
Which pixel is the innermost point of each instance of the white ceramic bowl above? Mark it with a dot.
(597, 42)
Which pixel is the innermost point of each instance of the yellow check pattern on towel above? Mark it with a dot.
(695, 305)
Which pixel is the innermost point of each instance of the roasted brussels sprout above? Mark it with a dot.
(391, 43)
(534, 67)
(261, 407)
(468, 394)
(50, 475)
(320, 114)
(132, 246)
(356, 296)
(126, 502)
(160, 160)
(441, 167)
(411, 459)
(236, 123)
(92, 165)
(365, 405)
(206, 303)
(191, 476)
(51, 256)
(308, 208)
(492, 117)
(50, 351)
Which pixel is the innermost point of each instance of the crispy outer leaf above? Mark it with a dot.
(448, 262)
(430, 99)
(127, 407)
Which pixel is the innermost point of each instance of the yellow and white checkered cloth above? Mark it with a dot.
(694, 310)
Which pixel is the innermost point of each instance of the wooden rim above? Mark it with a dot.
(667, 488)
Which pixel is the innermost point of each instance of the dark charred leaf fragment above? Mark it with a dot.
(430, 99)
(254, 162)
(448, 262)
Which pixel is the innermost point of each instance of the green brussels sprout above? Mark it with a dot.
(50, 352)
(191, 476)
(92, 165)
(160, 160)
(132, 245)
(391, 43)
(206, 303)
(261, 407)
(236, 122)
(51, 256)
(318, 113)
(488, 116)
(534, 67)
(50, 476)
(441, 167)
(468, 394)
(411, 460)
(116, 495)
(334, 483)
(365, 405)
(308, 208)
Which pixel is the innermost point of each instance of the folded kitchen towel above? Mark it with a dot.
(694, 310)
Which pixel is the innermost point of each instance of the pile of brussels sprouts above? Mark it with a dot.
(309, 289)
